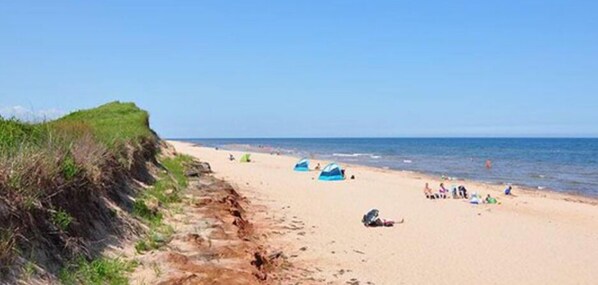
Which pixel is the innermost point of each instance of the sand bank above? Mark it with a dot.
(534, 238)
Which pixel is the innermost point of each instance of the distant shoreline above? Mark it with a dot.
(593, 198)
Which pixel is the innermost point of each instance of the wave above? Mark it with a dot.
(351, 154)
(370, 155)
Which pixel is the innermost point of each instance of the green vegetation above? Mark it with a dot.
(100, 271)
(7, 251)
(61, 171)
(115, 124)
(62, 219)
(162, 194)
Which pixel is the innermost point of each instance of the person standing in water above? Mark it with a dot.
(488, 164)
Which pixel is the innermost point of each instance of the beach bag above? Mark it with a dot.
(370, 217)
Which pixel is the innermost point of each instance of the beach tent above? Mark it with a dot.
(302, 165)
(331, 172)
(246, 157)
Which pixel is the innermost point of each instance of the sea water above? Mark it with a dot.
(564, 165)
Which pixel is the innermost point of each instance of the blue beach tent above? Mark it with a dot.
(332, 172)
(302, 165)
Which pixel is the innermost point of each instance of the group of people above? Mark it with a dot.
(460, 192)
(444, 193)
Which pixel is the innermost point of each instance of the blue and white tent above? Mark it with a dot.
(302, 165)
(332, 172)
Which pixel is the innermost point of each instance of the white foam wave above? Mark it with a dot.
(352, 154)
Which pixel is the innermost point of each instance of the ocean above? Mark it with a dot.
(557, 164)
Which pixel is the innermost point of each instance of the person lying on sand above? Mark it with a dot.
(490, 199)
(371, 219)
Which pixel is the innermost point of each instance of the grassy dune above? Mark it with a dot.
(56, 176)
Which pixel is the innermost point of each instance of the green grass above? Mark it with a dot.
(7, 249)
(176, 167)
(164, 192)
(101, 271)
(62, 219)
(114, 123)
(141, 210)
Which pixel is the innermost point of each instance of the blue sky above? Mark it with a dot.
(310, 68)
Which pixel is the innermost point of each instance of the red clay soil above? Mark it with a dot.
(229, 251)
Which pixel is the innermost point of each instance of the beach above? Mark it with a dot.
(532, 238)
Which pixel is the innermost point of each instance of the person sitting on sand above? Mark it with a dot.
(318, 166)
(231, 157)
(443, 191)
(462, 192)
(454, 192)
(490, 199)
(371, 219)
(428, 192)
(508, 190)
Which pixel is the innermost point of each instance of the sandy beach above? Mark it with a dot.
(532, 238)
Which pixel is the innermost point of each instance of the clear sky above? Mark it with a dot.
(310, 68)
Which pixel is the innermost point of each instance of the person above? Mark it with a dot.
(508, 190)
(490, 199)
(371, 219)
(442, 191)
(454, 192)
(231, 157)
(318, 166)
(428, 192)
(462, 192)
(352, 177)
(488, 164)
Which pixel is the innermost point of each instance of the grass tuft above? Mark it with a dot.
(100, 271)
(62, 219)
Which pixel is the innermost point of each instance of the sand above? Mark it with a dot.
(533, 238)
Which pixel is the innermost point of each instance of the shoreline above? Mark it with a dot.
(528, 190)
(538, 238)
